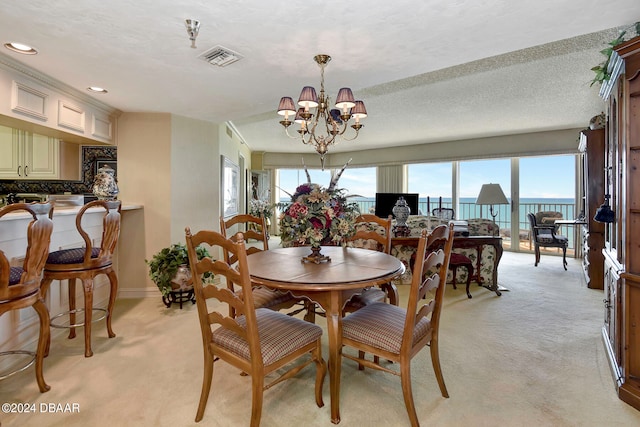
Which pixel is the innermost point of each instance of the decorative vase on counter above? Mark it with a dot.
(105, 186)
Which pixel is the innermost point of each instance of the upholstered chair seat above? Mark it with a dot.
(14, 275)
(70, 256)
(279, 336)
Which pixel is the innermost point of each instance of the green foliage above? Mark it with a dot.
(164, 265)
(602, 70)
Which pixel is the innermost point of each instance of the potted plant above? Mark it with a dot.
(164, 266)
(602, 70)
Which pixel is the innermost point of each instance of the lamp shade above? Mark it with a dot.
(286, 107)
(345, 99)
(308, 97)
(359, 111)
(491, 194)
(299, 118)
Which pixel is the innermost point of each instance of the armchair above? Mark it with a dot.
(543, 233)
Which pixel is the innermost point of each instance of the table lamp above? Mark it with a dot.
(491, 194)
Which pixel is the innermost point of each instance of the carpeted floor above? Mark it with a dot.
(532, 357)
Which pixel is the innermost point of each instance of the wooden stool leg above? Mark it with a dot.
(113, 279)
(454, 270)
(88, 314)
(43, 339)
(44, 287)
(72, 307)
(469, 274)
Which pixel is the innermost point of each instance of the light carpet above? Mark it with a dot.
(532, 357)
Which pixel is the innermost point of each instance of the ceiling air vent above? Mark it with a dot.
(220, 56)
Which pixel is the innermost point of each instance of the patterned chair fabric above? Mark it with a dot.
(279, 336)
(14, 275)
(476, 227)
(70, 256)
(543, 232)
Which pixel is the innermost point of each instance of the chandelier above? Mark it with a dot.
(320, 125)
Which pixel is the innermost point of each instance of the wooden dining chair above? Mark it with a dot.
(372, 232)
(255, 228)
(396, 333)
(256, 341)
(86, 263)
(20, 286)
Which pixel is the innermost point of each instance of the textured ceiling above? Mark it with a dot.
(429, 70)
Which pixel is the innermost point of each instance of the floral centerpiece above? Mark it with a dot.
(258, 207)
(318, 216)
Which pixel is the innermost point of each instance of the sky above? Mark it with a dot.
(540, 177)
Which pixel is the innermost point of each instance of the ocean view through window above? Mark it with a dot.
(531, 184)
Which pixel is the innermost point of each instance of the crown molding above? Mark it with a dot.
(10, 64)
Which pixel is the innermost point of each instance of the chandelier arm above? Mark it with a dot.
(349, 139)
(286, 130)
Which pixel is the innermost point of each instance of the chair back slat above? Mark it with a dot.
(429, 284)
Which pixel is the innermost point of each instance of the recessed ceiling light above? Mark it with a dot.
(96, 89)
(20, 48)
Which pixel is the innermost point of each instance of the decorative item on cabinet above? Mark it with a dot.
(604, 212)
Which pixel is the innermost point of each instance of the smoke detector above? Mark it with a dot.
(220, 56)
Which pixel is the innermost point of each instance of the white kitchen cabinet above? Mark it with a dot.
(25, 155)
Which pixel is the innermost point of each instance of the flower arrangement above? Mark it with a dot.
(259, 207)
(318, 216)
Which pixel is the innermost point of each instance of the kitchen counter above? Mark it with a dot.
(67, 210)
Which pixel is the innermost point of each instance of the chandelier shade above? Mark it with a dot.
(320, 124)
(286, 107)
(359, 111)
(308, 97)
(345, 99)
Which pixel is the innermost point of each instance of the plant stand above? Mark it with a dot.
(179, 296)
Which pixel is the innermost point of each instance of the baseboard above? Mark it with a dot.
(148, 292)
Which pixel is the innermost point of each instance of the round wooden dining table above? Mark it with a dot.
(329, 284)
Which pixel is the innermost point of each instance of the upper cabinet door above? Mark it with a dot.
(28, 156)
(41, 157)
(11, 164)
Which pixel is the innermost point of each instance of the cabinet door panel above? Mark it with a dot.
(42, 157)
(10, 153)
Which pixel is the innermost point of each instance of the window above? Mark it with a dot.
(432, 181)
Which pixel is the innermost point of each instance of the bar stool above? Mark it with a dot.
(20, 286)
(85, 264)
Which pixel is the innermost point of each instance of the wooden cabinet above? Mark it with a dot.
(592, 147)
(26, 155)
(621, 330)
